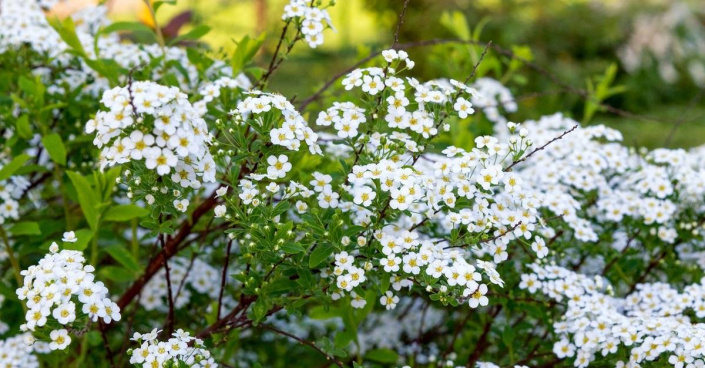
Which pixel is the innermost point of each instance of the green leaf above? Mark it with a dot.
(84, 237)
(124, 212)
(124, 257)
(319, 255)
(193, 34)
(386, 356)
(292, 248)
(67, 31)
(13, 166)
(124, 26)
(115, 273)
(158, 4)
(55, 147)
(23, 127)
(25, 228)
(456, 23)
(86, 198)
(245, 51)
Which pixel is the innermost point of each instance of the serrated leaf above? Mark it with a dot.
(13, 166)
(25, 228)
(124, 212)
(124, 257)
(319, 255)
(55, 147)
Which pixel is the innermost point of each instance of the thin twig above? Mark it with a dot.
(305, 342)
(224, 277)
(509, 168)
(170, 315)
(399, 23)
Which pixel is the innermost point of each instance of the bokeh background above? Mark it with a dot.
(656, 49)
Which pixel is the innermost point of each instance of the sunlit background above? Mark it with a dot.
(574, 40)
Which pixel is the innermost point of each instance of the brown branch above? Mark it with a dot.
(170, 296)
(654, 262)
(482, 341)
(223, 278)
(170, 247)
(401, 21)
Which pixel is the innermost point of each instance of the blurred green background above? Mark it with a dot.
(574, 40)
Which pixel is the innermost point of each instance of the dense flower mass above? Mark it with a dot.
(386, 220)
(18, 351)
(180, 350)
(649, 322)
(313, 20)
(157, 125)
(61, 289)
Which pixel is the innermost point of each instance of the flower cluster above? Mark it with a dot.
(181, 349)
(257, 109)
(649, 322)
(61, 288)
(313, 20)
(11, 190)
(155, 124)
(18, 351)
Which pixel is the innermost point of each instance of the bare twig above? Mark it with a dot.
(224, 277)
(401, 21)
(509, 168)
(170, 315)
(305, 342)
(681, 119)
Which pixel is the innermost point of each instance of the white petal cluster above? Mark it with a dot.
(11, 190)
(345, 118)
(650, 322)
(157, 125)
(313, 20)
(62, 289)
(181, 349)
(293, 130)
(656, 188)
(18, 351)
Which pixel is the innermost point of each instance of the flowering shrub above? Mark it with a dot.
(243, 227)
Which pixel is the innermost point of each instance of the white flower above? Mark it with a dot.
(59, 339)
(220, 210)
(278, 166)
(221, 191)
(181, 205)
(364, 196)
(161, 159)
(69, 237)
(389, 300)
(463, 107)
(477, 297)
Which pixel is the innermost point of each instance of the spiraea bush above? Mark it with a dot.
(161, 207)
